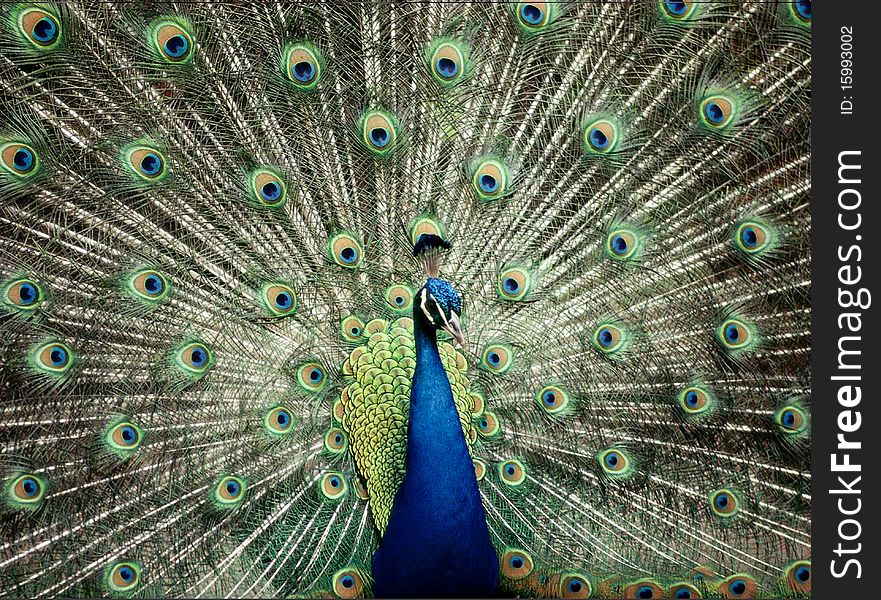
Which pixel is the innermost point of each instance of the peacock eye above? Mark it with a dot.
(303, 66)
(512, 472)
(694, 400)
(533, 15)
(23, 294)
(514, 283)
(574, 585)
(802, 10)
(553, 399)
(40, 28)
(600, 136)
(724, 503)
(123, 576)
(279, 299)
(489, 425)
(278, 420)
(791, 419)
(399, 298)
(345, 250)
(609, 339)
(229, 492)
(311, 376)
(738, 586)
(335, 441)
(645, 588)
(734, 334)
(268, 188)
(678, 9)
(378, 132)
(27, 490)
(425, 225)
(622, 244)
(717, 111)
(684, 591)
(352, 328)
(516, 563)
(753, 237)
(447, 62)
(195, 358)
(498, 358)
(172, 41)
(146, 162)
(347, 583)
(615, 462)
(798, 577)
(19, 159)
(479, 469)
(489, 179)
(54, 358)
(333, 485)
(123, 438)
(148, 285)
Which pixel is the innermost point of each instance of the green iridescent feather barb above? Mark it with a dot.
(379, 299)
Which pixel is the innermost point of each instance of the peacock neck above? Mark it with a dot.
(437, 529)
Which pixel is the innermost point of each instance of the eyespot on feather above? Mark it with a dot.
(172, 41)
(739, 585)
(534, 16)
(229, 492)
(348, 583)
(278, 420)
(792, 420)
(480, 467)
(574, 585)
(696, 400)
(609, 338)
(644, 588)
(735, 334)
(553, 399)
(40, 27)
(425, 225)
(717, 111)
(616, 463)
(514, 283)
(279, 299)
(23, 294)
(352, 329)
(53, 358)
(512, 472)
(195, 358)
(489, 178)
(447, 62)
(684, 591)
(801, 12)
(333, 485)
(724, 503)
(335, 441)
(345, 250)
(123, 438)
(600, 137)
(798, 577)
(488, 425)
(123, 576)
(379, 132)
(399, 298)
(623, 244)
(149, 285)
(303, 66)
(146, 162)
(498, 358)
(19, 159)
(677, 10)
(311, 376)
(25, 491)
(268, 188)
(516, 563)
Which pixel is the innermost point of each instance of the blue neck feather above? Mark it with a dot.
(437, 542)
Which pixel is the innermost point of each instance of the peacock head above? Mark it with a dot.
(437, 304)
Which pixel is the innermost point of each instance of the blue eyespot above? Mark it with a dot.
(304, 71)
(619, 245)
(58, 356)
(283, 301)
(510, 470)
(488, 183)
(282, 418)
(645, 591)
(511, 285)
(788, 418)
(126, 574)
(605, 337)
(677, 8)
(803, 8)
(151, 164)
(598, 139)
(803, 574)
(714, 113)
(270, 191)
(516, 561)
(722, 501)
(446, 67)
(128, 434)
(233, 488)
(348, 255)
(23, 160)
(176, 46)
(737, 587)
(732, 334)
(153, 285)
(27, 293)
(749, 237)
(315, 375)
(612, 460)
(549, 398)
(531, 14)
(691, 399)
(45, 30)
(574, 586)
(347, 581)
(683, 594)
(380, 137)
(30, 487)
(493, 358)
(198, 357)
(399, 300)
(335, 482)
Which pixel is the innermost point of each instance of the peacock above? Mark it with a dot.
(372, 298)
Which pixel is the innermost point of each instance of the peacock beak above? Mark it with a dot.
(454, 328)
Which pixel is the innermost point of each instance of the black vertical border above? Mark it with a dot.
(832, 133)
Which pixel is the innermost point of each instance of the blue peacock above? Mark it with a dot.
(387, 299)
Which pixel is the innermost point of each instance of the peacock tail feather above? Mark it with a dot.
(207, 216)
